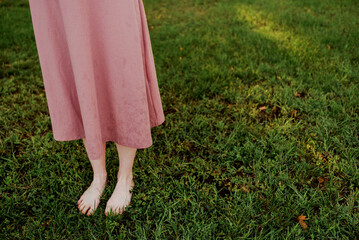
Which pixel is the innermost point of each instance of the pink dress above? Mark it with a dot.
(98, 71)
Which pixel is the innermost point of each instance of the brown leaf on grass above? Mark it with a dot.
(279, 78)
(301, 219)
(320, 179)
(325, 156)
(245, 189)
(295, 113)
(263, 108)
(300, 94)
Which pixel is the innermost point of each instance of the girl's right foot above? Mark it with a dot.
(90, 199)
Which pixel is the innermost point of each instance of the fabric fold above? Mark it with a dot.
(98, 71)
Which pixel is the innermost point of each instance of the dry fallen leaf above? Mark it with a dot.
(320, 180)
(301, 219)
(263, 108)
(297, 94)
(278, 77)
(245, 189)
(295, 113)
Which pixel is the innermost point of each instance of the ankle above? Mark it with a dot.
(127, 178)
(100, 176)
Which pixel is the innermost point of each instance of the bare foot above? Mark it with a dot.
(90, 199)
(121, 196)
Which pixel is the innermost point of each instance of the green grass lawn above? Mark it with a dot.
(262, 126)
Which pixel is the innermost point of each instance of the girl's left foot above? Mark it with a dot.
(121, 196)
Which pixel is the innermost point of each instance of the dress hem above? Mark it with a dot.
(110, 139)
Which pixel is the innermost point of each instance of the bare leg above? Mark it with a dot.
(90, 199)
(121, 196)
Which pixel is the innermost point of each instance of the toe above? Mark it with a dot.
(93, 208)
(90, 211)
(84, 210)
(111, 210)
(119, 210)
(80, 199)
(107, 211)
(81, 205)
(122, 209)
(115, 210)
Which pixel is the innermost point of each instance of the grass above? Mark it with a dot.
(262, 121)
